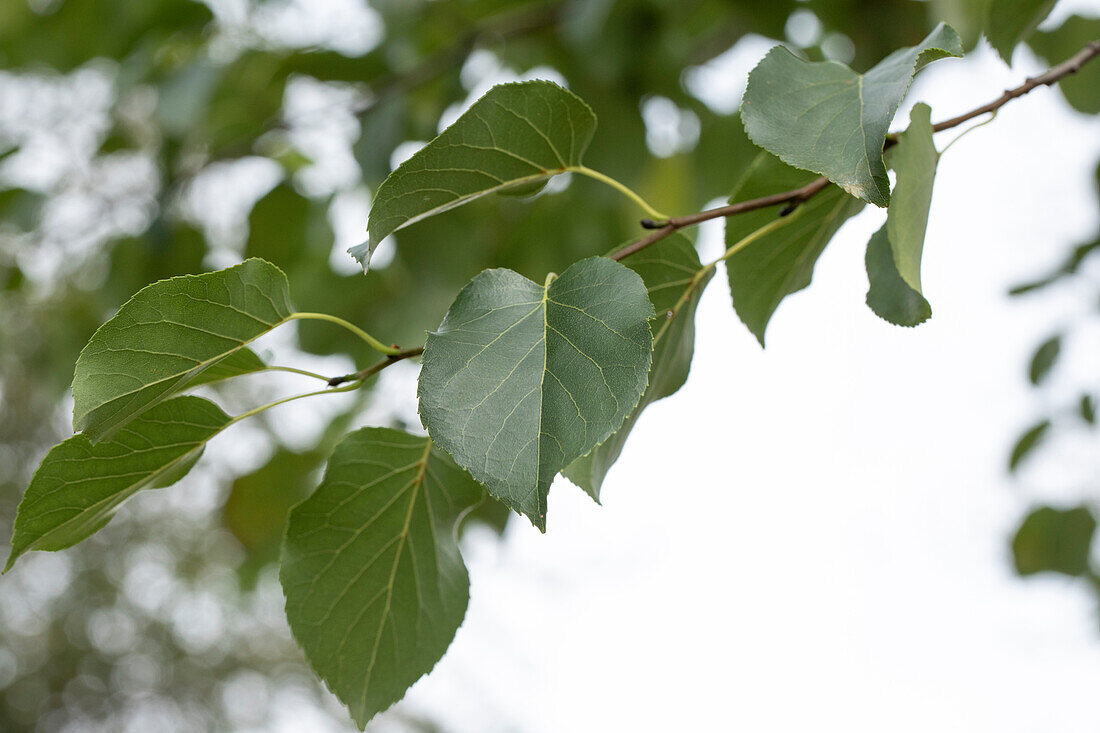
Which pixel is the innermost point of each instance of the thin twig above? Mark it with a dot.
(798, 196)
(364, 374)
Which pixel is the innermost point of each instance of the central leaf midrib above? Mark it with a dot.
(182, 376)
(417, 482)
(542, 400)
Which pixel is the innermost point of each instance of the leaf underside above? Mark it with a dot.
(510, 141)
(520, 379)
(374, 582)
(826, 118)
(894, 251)
(167, 335)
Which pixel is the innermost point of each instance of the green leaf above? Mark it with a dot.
(515, 137)
(255, 512)
(163, 338)
(78, 486)
(674, 281)
(1086, 409)
(894, 251)
(375, 586)
(1068, 268)
(1054, 540)
(826, 118)
(520, 379)
(1012, 21)
(1027, 443)
(1044, 358)
(782, 262)
(1081, 89)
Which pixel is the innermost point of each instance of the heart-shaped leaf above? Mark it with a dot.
(78, 486)
(513, 139)
(375, 586)
(522, 379)
(167, 335)
(826, 118)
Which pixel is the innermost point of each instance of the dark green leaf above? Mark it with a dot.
(894, 251)
(672, 274)
(515, 136)
(1086, 409)
(256, 509)
(78, 486)
(1012, 21)
(1026, 443)
(521, 379)
(1054, 540)
(826, 118)
(1081, 89)
(782, 262)
(375, 586)
(164, 337)
(1042, 361)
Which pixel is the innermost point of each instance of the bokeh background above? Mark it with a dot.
(828, 533)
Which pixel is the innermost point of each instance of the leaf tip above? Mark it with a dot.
(361, 253)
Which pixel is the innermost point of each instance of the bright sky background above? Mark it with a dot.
(815, 536)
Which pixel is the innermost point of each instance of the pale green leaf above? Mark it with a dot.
(164, 337)
(672, 274)
(1012, 21)
(78, 486)
(522, 379)
(826, 118)
(781, 262)
(511, 140)
(894, 251)
(375, 586)
(1055, 541)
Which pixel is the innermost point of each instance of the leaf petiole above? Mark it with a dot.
(295, 370)
(257, 410)
(370, 340)
(621, 188)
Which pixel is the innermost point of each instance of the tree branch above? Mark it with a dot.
(364, 374)
(797, 196)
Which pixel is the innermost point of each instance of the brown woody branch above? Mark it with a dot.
(797, 196)
(364, 374)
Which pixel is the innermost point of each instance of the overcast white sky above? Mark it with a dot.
(816, 535)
